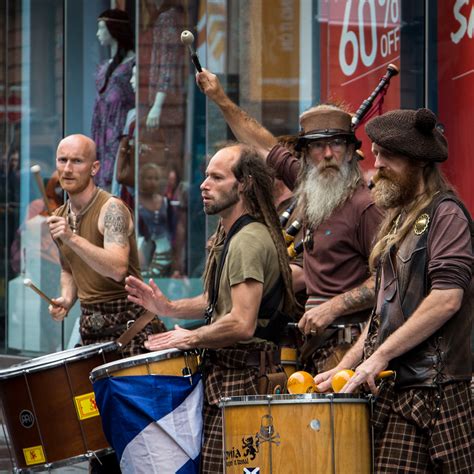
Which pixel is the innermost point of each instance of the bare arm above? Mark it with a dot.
(351, 301)
(152, 298)
(437, 308)
(67, 298)
(245, 128)
(235, 326)
(116, 225)
(297, 277)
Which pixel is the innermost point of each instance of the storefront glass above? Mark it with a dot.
(274, 58)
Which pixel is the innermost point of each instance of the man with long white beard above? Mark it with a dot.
(340, 219)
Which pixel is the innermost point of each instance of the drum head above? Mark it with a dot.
(292, 399)
(142, 359)
(58, 358)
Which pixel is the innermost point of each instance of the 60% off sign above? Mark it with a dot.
(370, 34)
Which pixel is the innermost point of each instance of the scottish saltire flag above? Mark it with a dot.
(153, 422)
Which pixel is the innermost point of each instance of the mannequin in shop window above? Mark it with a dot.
(166, 61)
(115, 96)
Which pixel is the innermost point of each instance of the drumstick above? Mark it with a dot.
(36, 170)
(27, 282)
(187, 38)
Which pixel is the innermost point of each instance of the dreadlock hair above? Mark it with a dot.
(435, 182)
(119, 26)
(257, 180)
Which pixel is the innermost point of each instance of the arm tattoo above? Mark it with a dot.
(359, 298)
(115, 225)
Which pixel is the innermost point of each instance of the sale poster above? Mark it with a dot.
(359, 39)
(456, 91)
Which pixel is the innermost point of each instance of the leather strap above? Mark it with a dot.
(135, 328)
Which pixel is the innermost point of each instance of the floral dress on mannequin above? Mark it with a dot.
(108, 119)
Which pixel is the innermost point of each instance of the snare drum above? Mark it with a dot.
(168, 362)
(49, 407)
(151, 407)
(297, 433)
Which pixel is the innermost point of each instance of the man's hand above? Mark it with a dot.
(178, 338)
(59, 310)
(148, 296)
(365, 373)
(59, 228)
(317, 319)
(210, 86)
(323, 380)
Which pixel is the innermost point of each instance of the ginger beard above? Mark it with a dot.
(323, 188)
(394, 189)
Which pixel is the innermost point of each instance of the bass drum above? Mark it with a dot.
(49, 408)
(306, 433)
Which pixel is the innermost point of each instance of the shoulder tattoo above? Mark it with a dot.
(116, 224)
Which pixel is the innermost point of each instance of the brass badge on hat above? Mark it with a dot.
(421, 224)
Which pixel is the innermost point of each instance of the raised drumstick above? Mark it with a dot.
(27, 282)
(187, 38)
(36, 170)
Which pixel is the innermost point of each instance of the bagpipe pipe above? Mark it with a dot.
(366, 110)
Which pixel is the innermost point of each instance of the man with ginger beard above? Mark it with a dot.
(340, 219)
(421, 325)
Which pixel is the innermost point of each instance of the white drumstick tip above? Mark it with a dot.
(35, 168)
(27, 282)
(187, 37)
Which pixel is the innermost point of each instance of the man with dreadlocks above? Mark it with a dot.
(247, 281)
(422, 323)
(340, 218)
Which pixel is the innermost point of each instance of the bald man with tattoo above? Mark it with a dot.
(95, 235)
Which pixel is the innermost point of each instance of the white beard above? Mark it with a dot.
(321, 193)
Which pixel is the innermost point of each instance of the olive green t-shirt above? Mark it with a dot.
(252, 255)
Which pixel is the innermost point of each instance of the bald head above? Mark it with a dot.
(79, 145)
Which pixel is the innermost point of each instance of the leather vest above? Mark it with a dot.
(446, 355)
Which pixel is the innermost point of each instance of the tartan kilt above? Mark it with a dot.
(423, 430)
(102, 322)
(327, 356)
(227, 376)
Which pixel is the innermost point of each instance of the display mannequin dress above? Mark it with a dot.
(109, 115)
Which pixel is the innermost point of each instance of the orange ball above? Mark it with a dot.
(340, 379)
(301, 382)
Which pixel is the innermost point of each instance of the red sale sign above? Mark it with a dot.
(456, 91)
(360, 39)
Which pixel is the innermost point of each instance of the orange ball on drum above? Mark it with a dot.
(340, 379)
(301, 382)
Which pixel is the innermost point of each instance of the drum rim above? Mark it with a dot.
(89, 351)
(65, 462)
(103, 370)
(290, 399)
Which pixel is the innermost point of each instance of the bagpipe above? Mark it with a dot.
(368, 108)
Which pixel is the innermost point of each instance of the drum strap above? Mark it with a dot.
(238, 224)
(135, 328)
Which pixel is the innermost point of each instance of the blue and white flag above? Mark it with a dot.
(153, 422)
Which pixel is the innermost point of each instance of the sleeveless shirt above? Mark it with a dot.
(92, 287)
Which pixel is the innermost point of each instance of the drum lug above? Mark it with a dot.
(186, 371)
